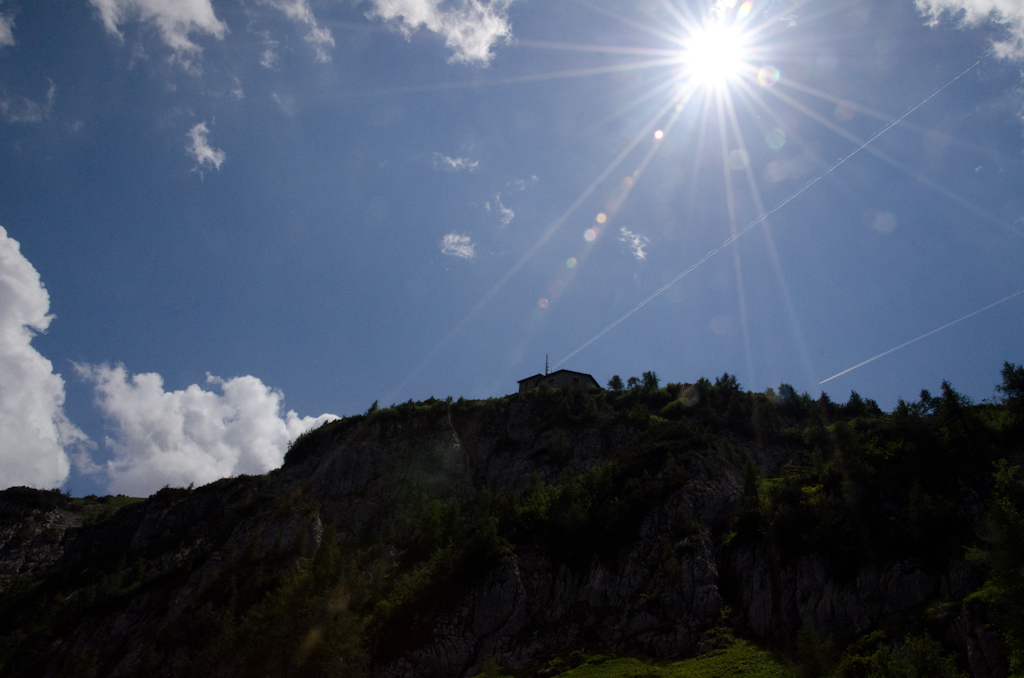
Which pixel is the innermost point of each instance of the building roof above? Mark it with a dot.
(541, 376)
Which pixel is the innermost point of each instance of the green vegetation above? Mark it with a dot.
(740, 658)
(1001, 556)
(853, 485)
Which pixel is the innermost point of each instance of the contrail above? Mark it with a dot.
(927, 334)
(736, 236)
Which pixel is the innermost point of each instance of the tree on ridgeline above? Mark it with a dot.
(1012, 387)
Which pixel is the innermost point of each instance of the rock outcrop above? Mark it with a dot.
(356, 483)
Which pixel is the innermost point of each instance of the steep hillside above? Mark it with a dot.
(525, 535)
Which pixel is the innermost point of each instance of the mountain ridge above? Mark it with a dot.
(446, 538)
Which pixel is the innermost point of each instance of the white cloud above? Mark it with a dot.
(34, 432)
(201, 149)
(6, 31)
(469, 27)
(454, 164)
(192, 436)
(22, 109)
(636, 242)
(505, 214)
(455, 245)
(176, 19)
(318, 36)
(270, 58)
(236, 90)
(285, 103)
(1009, 13)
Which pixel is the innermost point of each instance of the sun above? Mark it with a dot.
(715, 54)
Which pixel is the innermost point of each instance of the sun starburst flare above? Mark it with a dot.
(715, 54)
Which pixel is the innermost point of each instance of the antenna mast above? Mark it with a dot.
(545, 363)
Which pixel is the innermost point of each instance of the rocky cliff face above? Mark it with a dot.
(173, 567)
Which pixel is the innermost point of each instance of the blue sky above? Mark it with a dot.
(225, 222)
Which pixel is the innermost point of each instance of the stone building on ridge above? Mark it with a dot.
(576, 380)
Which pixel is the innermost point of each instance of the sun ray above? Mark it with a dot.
(924, 336)
(633, 103)
(766, 215)
(544, 237)
(685, 22)
(514, 80)
(887, 118)
(881, 155)
(654, 31)
(701, 136)
(773, 254)
(598, 49)
(719, 68)
(721, 96)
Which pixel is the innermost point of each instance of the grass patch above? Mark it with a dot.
(739, 659)
(96, 510)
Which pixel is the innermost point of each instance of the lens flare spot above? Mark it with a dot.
(543, 303)
(659, 135)
(571, 262)
(738, 159)
(744, 10)
(723, 325)
(883, 222)
(601, 218)
(845, 111)
(775, 139)
(768, 76)
(627, 182)
(775, 172)
(590, 235)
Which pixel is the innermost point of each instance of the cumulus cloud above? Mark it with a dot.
(470, 27)
(455, 245)
(201, 150)
(635, 241)
(34, 432)
(22, 109)
(454, 164)
(1008, 13)
(6, 31)
(196, 435)
(299, 11)
(175, 19)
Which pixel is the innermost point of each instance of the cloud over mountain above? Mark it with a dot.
(196, 435)
(34, 431)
